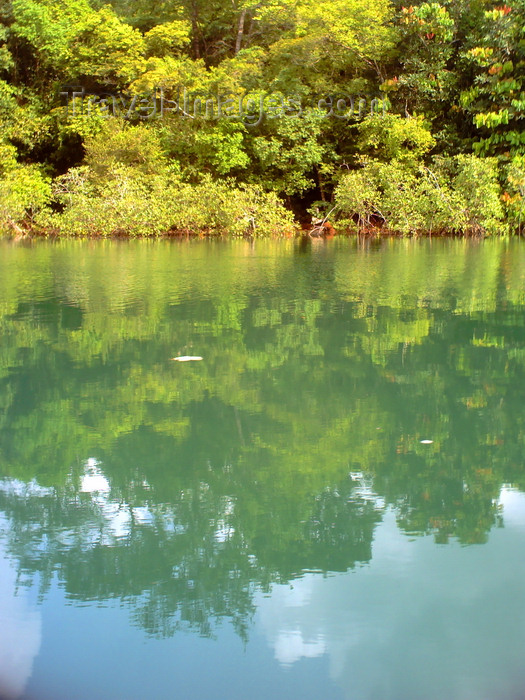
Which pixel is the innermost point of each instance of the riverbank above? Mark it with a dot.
(303, 234)
(116, 195)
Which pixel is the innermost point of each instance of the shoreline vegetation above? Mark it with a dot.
(340, 116)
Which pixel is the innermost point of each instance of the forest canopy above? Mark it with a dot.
(147, 117)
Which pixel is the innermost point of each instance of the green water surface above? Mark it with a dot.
(329, 504)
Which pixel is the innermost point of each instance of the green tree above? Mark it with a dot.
(496, 98)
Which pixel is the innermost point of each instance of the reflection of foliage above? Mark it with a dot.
(182, 564)
(342, 526)
(233, 472)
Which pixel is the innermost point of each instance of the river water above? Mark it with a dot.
(330, 504)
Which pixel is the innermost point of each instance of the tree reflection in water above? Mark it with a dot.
(181, 489)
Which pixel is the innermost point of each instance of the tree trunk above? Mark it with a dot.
(195, 29)
(19, 232)
(240, 32)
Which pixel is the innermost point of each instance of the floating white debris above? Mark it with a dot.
(186, 358)
(426, 442)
